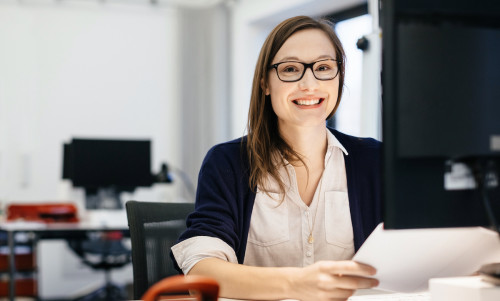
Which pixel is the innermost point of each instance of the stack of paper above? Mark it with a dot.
(406, 259)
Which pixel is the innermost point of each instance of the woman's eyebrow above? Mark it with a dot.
(289, 58)
(294, 58)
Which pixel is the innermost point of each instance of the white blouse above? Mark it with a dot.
(279, 232)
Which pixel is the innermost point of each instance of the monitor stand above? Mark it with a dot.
(103, 198)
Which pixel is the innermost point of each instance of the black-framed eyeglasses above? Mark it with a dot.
(292, 71)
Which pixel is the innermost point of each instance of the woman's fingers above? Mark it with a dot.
(332, 282)
(339, 293)
(347, 267)
(353, 282)
(346, 275)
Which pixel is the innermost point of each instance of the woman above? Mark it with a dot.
(279, 213)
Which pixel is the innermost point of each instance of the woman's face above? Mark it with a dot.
(309, 101)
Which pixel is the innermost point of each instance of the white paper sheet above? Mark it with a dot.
(406, 259)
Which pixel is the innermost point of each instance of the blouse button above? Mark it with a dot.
(308, 253)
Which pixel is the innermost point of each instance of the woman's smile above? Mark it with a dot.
(308, 102)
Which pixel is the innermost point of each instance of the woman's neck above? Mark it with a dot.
(309, 142)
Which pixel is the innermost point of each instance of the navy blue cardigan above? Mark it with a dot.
(224, 200)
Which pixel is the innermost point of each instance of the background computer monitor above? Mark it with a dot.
(107, 165)
(441, 103)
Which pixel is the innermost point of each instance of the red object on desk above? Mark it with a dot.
(200, 287)
(24, 257)
(43, 212)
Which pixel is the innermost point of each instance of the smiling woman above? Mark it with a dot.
(293, 89)
(280, 213)
(295, 40)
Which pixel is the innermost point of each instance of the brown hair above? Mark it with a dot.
(264, 143)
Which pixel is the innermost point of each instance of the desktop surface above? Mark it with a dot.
(371, 295)
(374, 295)
(360, 295)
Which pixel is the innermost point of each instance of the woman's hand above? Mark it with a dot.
(321, 281)
(331, 280)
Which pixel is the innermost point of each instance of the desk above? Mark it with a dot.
(38, 231)
(371, 295)
(360, 295)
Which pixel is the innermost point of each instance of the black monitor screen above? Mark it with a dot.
(96, 163)
(441, 102)
(448, 90)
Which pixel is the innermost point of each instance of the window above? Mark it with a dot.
(351, 25)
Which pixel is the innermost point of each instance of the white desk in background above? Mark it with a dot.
(36, 231)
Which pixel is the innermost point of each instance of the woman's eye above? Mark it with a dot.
(323, 68)
(290, 69)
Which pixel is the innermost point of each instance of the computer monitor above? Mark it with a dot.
(99, 165)
(441, 112)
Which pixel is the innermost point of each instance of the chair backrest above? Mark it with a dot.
(154, 229)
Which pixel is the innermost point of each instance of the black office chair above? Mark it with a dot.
(103, 251)
(154, 229)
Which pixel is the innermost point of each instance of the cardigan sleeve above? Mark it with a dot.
(224, 200)
(215, 212)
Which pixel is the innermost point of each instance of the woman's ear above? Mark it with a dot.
(264, 86)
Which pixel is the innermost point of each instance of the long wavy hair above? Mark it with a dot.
(265, 146)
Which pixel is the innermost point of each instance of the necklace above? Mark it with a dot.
(310, 239)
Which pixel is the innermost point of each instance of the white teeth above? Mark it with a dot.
(309, 102)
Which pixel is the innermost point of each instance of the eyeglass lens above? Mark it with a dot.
(293, 71)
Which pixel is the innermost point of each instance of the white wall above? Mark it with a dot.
(88, 72)
(205, 82)
(349, 117)
(85, 69)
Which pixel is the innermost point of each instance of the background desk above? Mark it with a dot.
(37, 231)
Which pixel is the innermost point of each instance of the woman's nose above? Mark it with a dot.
(308, 81)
